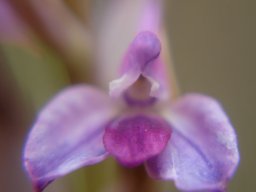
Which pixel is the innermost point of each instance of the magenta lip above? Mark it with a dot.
(134, 139)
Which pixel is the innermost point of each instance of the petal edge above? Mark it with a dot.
(203, 153)
(68, 134)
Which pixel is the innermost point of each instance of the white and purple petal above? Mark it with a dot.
(68, 134)
(202, 153)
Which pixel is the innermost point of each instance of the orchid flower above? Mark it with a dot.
(189, 140)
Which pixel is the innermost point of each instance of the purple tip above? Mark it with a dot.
(145, 48)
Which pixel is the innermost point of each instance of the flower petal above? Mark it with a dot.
(114, 38)
(156, 75)
(142, 57)
(134, 139)
(151, 16)
(68, 134)
(202, 153)
(142, 52)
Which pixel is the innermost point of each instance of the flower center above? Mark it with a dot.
(133, 140)
(138, 94)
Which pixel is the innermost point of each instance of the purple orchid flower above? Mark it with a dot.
(190, 140)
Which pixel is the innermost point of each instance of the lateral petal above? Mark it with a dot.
(67, 134)
(202, 153)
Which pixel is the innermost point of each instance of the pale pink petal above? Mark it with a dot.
(156, 75)
(202, 153)
(151, 20)
(151, 16)
(118, 86)
(68, 134)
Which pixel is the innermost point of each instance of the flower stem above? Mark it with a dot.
(135, 180)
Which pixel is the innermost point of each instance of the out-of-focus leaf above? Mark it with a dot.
(39, 75)
(12, 28)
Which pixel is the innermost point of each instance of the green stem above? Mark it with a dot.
(135, 180)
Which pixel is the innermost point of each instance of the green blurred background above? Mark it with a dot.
(213, 48)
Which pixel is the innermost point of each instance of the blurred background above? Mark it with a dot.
(47, 45)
